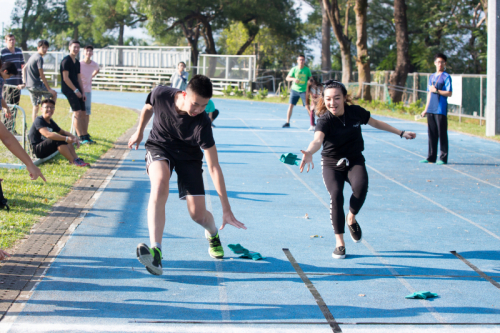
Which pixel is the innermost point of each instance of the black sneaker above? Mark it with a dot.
(339, 253)
(355, 230)
(286, 125)
(151, 258)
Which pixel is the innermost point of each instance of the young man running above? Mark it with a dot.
(72, 88)
(299, 75)
(89, 69)
(436, 109)
(180, 128)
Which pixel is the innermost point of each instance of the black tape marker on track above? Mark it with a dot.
(322, 305)
(477, 270)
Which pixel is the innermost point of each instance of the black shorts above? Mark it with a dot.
(77, 104)
(189, 172)
(47, 147)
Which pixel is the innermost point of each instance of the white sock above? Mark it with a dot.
(158, 245)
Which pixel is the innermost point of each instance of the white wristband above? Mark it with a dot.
(66, 139)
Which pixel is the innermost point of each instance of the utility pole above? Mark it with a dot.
(493, 74)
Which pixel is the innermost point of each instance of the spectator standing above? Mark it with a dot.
(7, 70)
(35, 78)
(179, 79)
(72, 88)
(313, 93)
(89, 69)
(46, 137)
(299, 75)
(436, 109)
(212, 111)
(13, 54)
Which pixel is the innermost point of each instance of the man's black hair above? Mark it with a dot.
(43, 42)
(10, 67)
(49, 101)
(9, 36)
(201, 86)
(74, 41)
(181, 62)
(88, 47)
(442, 56)
(301, 55)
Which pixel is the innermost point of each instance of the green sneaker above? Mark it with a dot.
(151, 258)
(424, 161)
(440, 163)
(215, 249)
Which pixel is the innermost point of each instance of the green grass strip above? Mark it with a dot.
(31, 200)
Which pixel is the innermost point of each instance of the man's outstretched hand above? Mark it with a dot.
(135, 139)
(228, 218)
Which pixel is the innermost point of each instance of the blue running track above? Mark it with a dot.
(414, 216)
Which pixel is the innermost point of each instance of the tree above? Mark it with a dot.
(38, 19)
(326, 55)
(398, 78)
(341, 33)
(362, 58)
(201, 18)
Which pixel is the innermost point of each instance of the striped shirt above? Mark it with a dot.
(18, 59)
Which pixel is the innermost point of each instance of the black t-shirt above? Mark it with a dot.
(181, 135)
(343, 140)
(34, 134)
(73, 69)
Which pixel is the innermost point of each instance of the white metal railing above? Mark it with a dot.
(261, 80)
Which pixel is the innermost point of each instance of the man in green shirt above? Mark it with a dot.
(299, 76)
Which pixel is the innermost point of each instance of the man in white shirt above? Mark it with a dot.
(88, 70)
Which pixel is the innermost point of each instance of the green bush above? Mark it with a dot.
(263, 93)
(238, 92)
(284, 92)
(249, 94)
(227, 91)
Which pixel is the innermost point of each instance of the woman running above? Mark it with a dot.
(313, 92)
(338, 129)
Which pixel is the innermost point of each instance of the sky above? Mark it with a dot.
(6, 7)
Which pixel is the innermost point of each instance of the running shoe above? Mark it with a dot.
(312, 128)
(355, 230)
(82, 162)
(85, 142)
(79, 162)
(151, 258)
(286, 125)
(215, 249)
(441, 162)
(339, 253)
(424, 161)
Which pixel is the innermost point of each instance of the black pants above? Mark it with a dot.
(335, 177)
(215, 114)
(438, 131)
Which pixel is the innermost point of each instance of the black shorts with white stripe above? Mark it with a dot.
(189, 172)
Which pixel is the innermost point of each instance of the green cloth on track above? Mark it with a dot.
(245, 254)
(422, 295)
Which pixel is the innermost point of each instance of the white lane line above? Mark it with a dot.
(476, 152)
(445, 166)
(405, 283)
(435, 203)
(224, 307)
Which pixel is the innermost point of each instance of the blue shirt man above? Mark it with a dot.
(438, 103)
(436, 110)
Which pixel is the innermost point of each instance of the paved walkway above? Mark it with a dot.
(426, 227)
